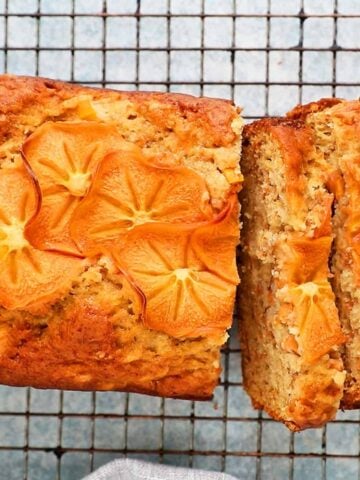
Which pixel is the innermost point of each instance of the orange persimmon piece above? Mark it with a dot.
(215, 243)
(185, 297)
(28, 276)
(316, 318)
(128, 192)
(63, 156)
(305, 259)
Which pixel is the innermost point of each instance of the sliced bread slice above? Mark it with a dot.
(290, 330)
(336, 127)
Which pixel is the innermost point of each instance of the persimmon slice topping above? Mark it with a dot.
(305, 259)
(184, 296)
(63, 156)
(128, 192)
(316, 319)
(215, 243)
(27, 275)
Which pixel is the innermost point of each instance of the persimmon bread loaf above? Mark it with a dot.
(118, 231)
(335, 125)
(290, 329)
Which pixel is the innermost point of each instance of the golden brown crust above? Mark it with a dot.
(19, 96)
(93, 336)
(300, 112)
(312, 409)
(62, 360)
(351, 399)
(93, 340)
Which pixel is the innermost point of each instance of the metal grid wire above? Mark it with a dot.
(267, 55)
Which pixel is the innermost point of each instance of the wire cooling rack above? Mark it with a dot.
(267, 55)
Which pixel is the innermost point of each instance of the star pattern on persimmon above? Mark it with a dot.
(128, 192)
(156, 222)
(185, 295)
(64, 157)
(14, 245)
(28, 274)
(315, 312)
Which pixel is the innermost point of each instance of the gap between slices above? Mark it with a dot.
(128, 192)
(64, 156)
(187, 294)
(28, 276)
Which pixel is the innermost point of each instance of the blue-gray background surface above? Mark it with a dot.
(155, 52)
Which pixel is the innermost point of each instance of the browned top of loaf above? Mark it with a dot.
(267, 123)
(210, 118)
(302, 111)
(48, 343)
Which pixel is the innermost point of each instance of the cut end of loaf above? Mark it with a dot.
(290, 330)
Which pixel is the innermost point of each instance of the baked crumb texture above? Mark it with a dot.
(335, 125)
(118, 230)
(290, 329)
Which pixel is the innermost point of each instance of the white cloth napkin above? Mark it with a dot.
(126, 469)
